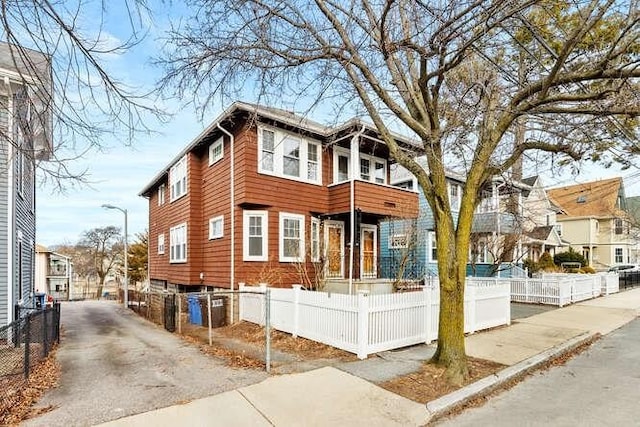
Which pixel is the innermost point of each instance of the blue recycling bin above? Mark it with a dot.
(195, 313)
(40, 300)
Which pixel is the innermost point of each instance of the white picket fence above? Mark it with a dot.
(563, 289)
(364, 324)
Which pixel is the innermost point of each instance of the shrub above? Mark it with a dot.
(546, 262)
(569, 256)
(588, 270)
(531, 266)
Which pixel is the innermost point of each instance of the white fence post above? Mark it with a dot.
(471, 289)
(363, 324)
(241, 302)
(427, 313)
(296, 309)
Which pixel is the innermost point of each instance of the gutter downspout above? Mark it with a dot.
(232, 213)
(10, 206)
(354, 163)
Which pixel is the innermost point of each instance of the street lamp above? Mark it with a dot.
(126, 254)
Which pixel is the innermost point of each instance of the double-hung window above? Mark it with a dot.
(433, 249)
(216, 151)
(216, 226)
(161, 244)
(178, 179)
(268, 150)
(312, 161)
(289, 156)
(315, 240)
(365, 169)
(619, 226)
(291, 237)
(454, 196)
(161, 191)
(619, 258)
(178, 243)
(255, 236)
(372, 169)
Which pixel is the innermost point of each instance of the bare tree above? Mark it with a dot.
(443, 70)
(60, 68)
(104, 244)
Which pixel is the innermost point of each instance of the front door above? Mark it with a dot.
(368, 246)
(335, 248)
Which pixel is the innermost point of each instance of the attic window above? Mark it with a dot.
(582, 199)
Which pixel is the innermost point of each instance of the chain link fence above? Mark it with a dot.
(23, 344)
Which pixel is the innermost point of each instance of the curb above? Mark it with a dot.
(446, 403)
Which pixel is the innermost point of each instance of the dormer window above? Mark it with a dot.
(581, 199)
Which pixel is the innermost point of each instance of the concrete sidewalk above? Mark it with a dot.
(330, 396)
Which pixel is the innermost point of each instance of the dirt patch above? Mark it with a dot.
(301, 347)
(429, 383)
(17, 407)
(481, 400)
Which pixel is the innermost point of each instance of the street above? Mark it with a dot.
(116, 364)
(599, 387)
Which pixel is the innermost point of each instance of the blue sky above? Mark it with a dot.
(118, 173)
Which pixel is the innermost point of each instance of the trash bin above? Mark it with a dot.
(39, 299)
(218, 311)
(195, 313)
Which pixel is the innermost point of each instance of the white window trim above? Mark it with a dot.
(161, 193)
(171, 244)
(340, 151)
(265, 236)
(301, 245)
(278, 156)
(212, 221)
(558, 228)
(393, 241)
(212, 148)
(161, 244)
(431, 240)
(621, 255)
(315, 238)
(175, 169)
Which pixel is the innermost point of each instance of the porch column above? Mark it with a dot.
(354, 151)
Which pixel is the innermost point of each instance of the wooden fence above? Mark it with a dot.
(364, 324)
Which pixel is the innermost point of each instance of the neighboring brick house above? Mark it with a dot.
(25, 134)
(594, 220)
(263, 195)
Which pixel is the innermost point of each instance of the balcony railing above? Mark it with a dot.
(57, 271)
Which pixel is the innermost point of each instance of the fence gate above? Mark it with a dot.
(170, 312)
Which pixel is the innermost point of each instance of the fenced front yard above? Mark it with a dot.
(563, 289)
(364, 324)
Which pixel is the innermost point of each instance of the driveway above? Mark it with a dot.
(116, 364)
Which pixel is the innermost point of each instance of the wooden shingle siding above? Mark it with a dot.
(209, 196)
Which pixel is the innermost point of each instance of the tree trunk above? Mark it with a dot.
(451, 350)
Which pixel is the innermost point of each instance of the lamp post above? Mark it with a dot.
(126, 254)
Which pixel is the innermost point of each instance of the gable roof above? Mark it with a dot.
(595, 198)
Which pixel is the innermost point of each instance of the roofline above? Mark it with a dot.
(293, 120)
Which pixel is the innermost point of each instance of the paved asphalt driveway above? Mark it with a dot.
(116, 364)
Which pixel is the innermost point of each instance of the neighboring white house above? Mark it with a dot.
(54, 274)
